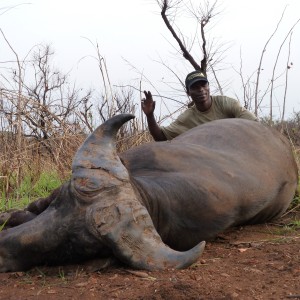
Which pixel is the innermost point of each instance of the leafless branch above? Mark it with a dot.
(288, 66)
(260, 63)
(274, 68)
(165, 6)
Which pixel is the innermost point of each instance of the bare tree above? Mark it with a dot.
(112, 100)
(274, 69)
(44, 104)
(203, 14)
(19, 105)
(288, 66)
(250, 85)
(52, 100)
(260, 63)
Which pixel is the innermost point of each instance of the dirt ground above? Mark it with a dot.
(252, 262)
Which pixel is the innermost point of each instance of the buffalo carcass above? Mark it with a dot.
(153, 206)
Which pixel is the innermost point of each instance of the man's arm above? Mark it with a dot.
(148, 106)
(239, 111)
(246, 114)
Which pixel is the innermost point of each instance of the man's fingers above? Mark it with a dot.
(148, 95)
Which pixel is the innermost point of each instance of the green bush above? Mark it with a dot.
(30, 189)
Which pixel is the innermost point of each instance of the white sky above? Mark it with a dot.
(134, 30)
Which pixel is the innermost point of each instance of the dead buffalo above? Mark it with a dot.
(152, 206)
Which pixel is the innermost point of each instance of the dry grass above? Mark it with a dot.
(52, 155)
(55, 154)
(137, 139)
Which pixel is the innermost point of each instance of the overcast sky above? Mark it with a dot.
(133, 31)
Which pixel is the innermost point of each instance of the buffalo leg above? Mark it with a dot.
(12, 218)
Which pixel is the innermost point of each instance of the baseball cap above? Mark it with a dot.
(193, 77)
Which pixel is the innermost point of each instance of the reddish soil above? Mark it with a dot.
(252, 262)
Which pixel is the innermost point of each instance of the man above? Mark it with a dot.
(206, 108)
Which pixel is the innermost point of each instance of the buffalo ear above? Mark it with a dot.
(125, 226)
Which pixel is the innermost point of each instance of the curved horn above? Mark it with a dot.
(126, 227)
(96, 164)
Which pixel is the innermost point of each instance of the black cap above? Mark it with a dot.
(193, 77)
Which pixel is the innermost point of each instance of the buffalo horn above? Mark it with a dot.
(96, 165)
(125, 226)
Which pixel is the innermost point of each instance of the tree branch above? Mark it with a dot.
(185, 53)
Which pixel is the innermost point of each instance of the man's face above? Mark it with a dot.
(199, 92)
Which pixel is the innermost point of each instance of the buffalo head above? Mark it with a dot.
(96, 214)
